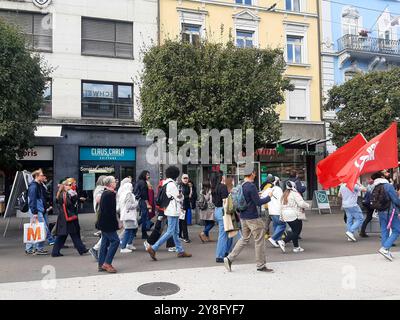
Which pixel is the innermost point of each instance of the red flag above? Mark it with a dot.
(378, 154)
(328, 168)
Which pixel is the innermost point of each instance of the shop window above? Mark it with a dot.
(107, 38)
(107, 100)
(191, 33)
(244, 39)
(36, 27)
(45, 110)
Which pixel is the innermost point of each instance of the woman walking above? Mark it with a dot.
(128, 206)
(219, 192)
(274, 211)
(292, 213)
(67, 220)
(206, 211)
(142, 195)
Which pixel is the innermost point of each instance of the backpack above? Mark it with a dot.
(238, 199)
(162, 200)
(379, 199)
(22, 201)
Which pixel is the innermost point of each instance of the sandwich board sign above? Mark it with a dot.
(321, 201)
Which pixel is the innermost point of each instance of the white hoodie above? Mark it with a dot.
(127, 203)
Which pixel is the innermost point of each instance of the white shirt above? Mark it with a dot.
(175, 205)
(274, 206)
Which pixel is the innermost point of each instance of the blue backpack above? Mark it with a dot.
(238, 199)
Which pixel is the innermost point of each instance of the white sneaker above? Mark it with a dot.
(172, 249)
(351, 236)
(146, 245)
(386, 253)
(273, 242)
(298, 249)
(282, 245)
(126, 250)
(131, 247)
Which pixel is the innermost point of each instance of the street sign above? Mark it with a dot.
(321, 201)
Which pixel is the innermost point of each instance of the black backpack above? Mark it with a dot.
(22, 201)
(379, 199)
(162, 200)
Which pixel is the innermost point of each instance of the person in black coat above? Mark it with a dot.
(67, 220)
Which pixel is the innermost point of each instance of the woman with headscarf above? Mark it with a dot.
(67, 220)
(292, 213)
(128, 206)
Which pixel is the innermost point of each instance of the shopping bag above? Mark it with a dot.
(228, 223)
(34, 232)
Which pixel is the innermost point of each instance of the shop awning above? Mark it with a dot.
(300, 141)
(48, 131)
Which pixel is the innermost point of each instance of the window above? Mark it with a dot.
(294, 49)
(45, 111)
(348, 75)
(350, 20)
(298, 104)
(36, 27)
(107, 100)
(248, 2)
(293, 5)
(244, 39)
(107, 38)
(191, 33)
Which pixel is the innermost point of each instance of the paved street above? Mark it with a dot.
(328, 257)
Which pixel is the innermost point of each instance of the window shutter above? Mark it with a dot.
(297, 103)
(124, 45)
(42, 29)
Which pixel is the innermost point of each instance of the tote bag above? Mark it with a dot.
(34, 232)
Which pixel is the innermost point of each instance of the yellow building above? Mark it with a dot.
(292, 25)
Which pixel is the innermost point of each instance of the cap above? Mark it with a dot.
(185, 176)
(270, 178)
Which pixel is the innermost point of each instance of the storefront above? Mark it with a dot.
(119, 162)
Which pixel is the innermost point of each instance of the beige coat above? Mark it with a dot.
(207, 214)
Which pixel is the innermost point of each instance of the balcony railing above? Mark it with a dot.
(368, 44)
(103, 110)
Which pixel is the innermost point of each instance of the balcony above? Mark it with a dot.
(367, 45)
(107, 111)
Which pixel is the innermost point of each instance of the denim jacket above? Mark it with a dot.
(36, 198)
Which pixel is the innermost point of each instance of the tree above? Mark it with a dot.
(368, 103)
(215, 86)
(22, 81)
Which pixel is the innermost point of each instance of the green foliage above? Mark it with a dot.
(22, 81)
(368, 103)
(213, 85)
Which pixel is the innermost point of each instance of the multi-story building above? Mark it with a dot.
(357, 37)
(291, 25)
(88, 125)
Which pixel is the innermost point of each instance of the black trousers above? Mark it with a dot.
(157, 232)
(367, 220)
(296, 226)
(76, 239)
(183, 229)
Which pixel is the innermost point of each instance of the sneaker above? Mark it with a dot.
(172, 249)
(41, 252)
(97, 234)
(186, 240)
(282, 245)
(298, 249)
(273, 242)
(131, 247)
(351, 236)
(146, 245)
(364, 235)
(219, 260)
(228, 264)
(94, 253)
(28, 252)
(52, 243)
(126, 250)
(265, 269)
(386, 253)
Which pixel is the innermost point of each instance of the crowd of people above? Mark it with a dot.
(241, 212)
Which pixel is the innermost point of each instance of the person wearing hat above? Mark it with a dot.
(292, 209)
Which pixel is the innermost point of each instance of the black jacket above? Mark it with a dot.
(63, 226)
(141, 190)
(108, 212)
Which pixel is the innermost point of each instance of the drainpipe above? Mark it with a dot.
(158, 22)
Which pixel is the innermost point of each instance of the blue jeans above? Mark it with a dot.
(386, 240)
(127, 237)
(144, 217)
(279, 227)
(108, 248)
(172, 231)
(209, 224)
(354, 217)
(40, 245)
(224, 244)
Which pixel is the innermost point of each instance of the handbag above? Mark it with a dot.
(67, 216)
(34, 232)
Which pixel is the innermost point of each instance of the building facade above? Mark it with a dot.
(357, 37)
(88, 125)
(291, 25)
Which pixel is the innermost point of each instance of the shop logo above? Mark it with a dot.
(41, 3)
(194, 148)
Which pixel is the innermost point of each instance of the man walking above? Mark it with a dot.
(354, 216)
(251, 225)
(37, 210)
